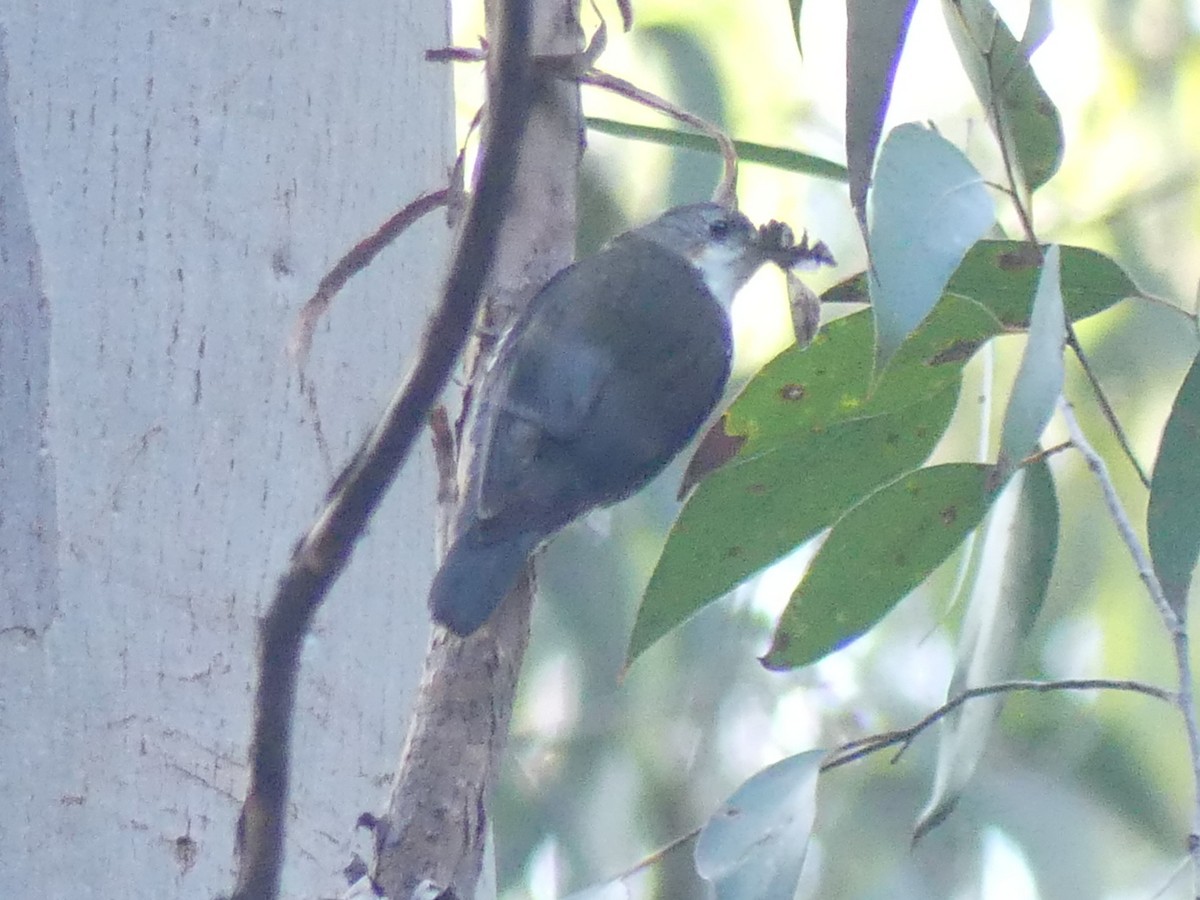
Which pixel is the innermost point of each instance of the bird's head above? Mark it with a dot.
(722, 243)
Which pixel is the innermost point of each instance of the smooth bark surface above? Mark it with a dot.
(174, 181)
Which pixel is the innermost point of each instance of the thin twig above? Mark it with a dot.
(861, 747)
(865, 746)
(1175, 621)
(1026, 218)
(1110, 415)
(1043, 455)
(358, 258)
(1141, 559)
(654, 857)
(578, 67)
(1162, 892)
(1020, 197)
(1024, 214)
(1019, 190)
(726, 193)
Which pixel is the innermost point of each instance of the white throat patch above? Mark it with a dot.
(723, 267)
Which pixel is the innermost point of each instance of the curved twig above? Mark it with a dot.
(857, 749)
(323, 552)
(354, 261)
(579, 67)
(726, 192)
(862, 747)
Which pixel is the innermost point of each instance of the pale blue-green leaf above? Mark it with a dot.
(1040, 377)
(1038, 26)
(753, 847)
(927, 207)
(1012, 570)
(875, 32)
(1173, 518)
(610, 890)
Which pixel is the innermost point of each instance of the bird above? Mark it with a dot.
(601, 381)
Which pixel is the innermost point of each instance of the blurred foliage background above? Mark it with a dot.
(1079, 795)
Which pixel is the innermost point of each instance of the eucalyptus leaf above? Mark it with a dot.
(1040, 377)
(808, 438)
(1173, 517)
(753, 847)
(748, 151)
(1014, 563)
(875, 554)
(1021, 113)
(1038, 26)
(875, 33)
(927, 207)
(796, 6)
(749, 514)
(1003, 276)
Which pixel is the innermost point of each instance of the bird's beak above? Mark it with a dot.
(777, 243)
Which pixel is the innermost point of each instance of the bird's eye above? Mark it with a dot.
(719, 229)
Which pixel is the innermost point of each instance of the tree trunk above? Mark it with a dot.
(437, 819)
(174, 180)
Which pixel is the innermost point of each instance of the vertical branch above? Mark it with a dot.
(1022, 202)
(436, 821)
(1175, 622)
(323, 552)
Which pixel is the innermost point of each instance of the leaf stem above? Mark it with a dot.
(1110, 415)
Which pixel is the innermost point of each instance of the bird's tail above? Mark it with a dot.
(475, 576)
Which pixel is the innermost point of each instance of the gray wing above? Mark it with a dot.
(607, 377)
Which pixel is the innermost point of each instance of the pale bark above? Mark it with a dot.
(436, 823)
(174, 180)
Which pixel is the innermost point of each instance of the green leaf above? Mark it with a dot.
(1003, 275)
(753, 847)
(748, 151)
(875, 32)
(748, 514)
(813, 438)
(1040, 377)
(807, 389)
(1020, 112)
(849, 290)
(1173, 517)
(796, 6)
(875, 554)
(1015, 560)
(928, 206)
(934, 355)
